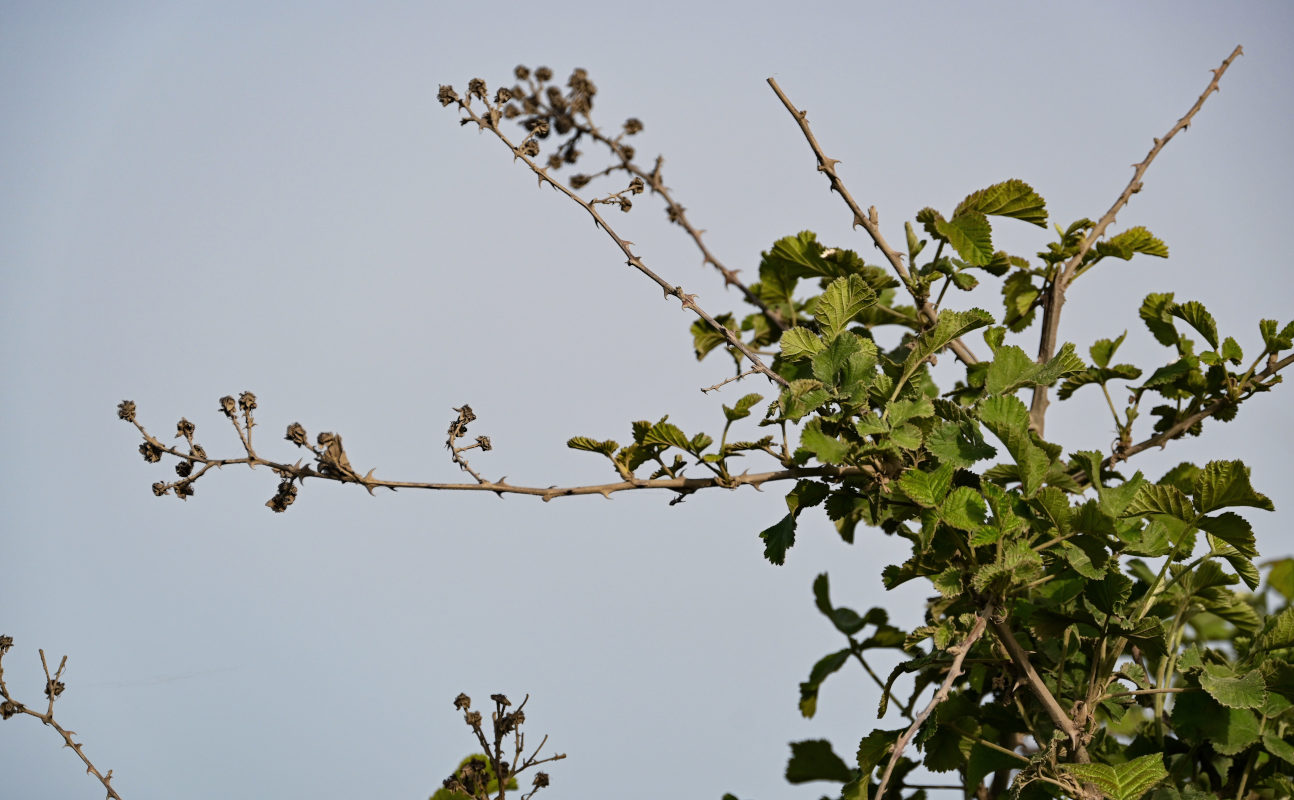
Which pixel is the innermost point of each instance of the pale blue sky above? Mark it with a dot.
(198, 198)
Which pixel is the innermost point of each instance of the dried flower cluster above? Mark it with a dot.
(490, 774)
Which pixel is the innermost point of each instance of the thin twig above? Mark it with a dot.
(869, 221)
(954, 672)
(1039, 689)
(1055, 299)
(688, 301)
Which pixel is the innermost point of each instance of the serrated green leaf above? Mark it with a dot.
(964, 509)
(1276, 340)
(951, 325)
(900, 411)
(1198, 318)
(1281, 577)
(742, 408)
(1233, 529)
(806, 494)
(832, 359)
(1199, 719)
(1130, 242)
(874, 748)
(668, 434)
(797, 343)
(814, 760)
(970, 235)
(1013, 198)
(1008, 419)
(826, 448)
(1232, 690)
(842, 300)
(1278, 632)
(799, 255)
(778, 539)
(927, 489)
(1154, 312)
(1018, 295)
(1278, 747)
(906, 436)
(1127, 781)
(810, 688)
(1226, 483)
(1017, 563)
(1231, 351)
(959, 444)
(1102, 350)
(1012, 369)
(802, 397)
(705, 338)
(1153, 498)
(592, 445)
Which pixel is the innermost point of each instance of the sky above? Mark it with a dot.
(201, 198)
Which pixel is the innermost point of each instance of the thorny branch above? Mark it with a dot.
(54, 687)
(528, 148)
(870, 222)
(1055, 295)
(954, 672)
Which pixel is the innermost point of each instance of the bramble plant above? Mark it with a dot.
(1093, 632)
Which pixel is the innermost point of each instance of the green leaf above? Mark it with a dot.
(1130, 242)
(951, 325)
(970, 235)
(835, 357)
(1278, 633)
(1013, 198)
(826, 448)
(668, 434)
(1233, 529)
(592, 445)
(1019, 294)
(1281, 578)
(1012, 369)
(1017, 563)
(842, 300)
(964, 509)
(1231, 690)
(1127, 781)
(800, 343)
(821, 670)
(814, 760)
(778, 539)
(875, 748)
(705, 338)
(1198, 318)
(927, 489)
(1278, 747)
(806, 494)
(1102, 350)
(742, 409)
(1155, 313)
(1008, 419)
(1199, 719)
(1153, 498)
(1226, 483)
(1273, 340)
(800, 256)
(802, 397)
(959, 444)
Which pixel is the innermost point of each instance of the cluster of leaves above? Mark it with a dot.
(1120, 593)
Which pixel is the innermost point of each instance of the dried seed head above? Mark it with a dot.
(463, 702)
(247, 401)
(483, 442)
(473, 718)
(502, 95)
(579, 181)
(541, 780)
(543, 74)
(160, 489)
(6, 642)
(197, 452)
(183, 429)
(555, 161)
(284, 497)
(126, 410)
(476, 88)
(625, 204)
(529, 148)
(538, 126)
(627, 152)
(184, 489)
(447, 95)
(151, 452)
(53, 688)
(297, 435)
(8, 708)
(636, 185)
(522, 72)
(511, 110)
(184, 469)
(228, 407)
(633, 125)
(501, 699)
